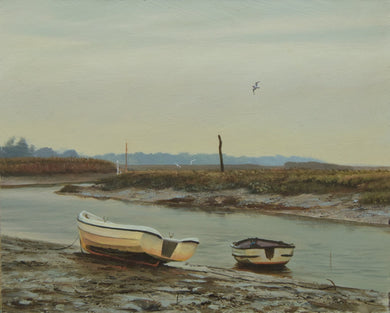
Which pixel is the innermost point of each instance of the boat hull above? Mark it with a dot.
(131, 243)
(96, 248)
(281, 256)
(262, 252)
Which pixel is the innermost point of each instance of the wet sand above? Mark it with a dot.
(38, 277)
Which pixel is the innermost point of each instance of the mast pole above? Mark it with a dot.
(126, 158)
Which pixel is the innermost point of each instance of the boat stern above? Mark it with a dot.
(169, 249)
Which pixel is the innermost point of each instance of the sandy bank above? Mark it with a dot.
(38, 278)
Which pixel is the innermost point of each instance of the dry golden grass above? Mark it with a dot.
(51, 166)
(374, 185)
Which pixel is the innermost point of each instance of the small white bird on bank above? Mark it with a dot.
(255, 86)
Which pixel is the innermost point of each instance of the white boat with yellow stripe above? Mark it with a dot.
(133, 243)
(262, 252)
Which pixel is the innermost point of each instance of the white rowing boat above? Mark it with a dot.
(131, 242)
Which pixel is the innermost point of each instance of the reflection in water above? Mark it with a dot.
(275, 270)
(349, 255)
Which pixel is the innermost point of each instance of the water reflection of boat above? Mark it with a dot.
(272, 270)
(262, 252)
(131, 242)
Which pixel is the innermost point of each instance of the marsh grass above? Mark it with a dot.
(380, 197)
(51, 166)
(373, 185)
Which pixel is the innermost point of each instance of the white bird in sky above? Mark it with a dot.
(255, 86)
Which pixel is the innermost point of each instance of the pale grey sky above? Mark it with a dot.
(169, 76)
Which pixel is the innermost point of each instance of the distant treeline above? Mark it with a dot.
(140, 158)
(29, 166)
(20, 149)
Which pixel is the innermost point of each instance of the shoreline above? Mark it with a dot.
(343, 208)
(328, 207)
(44, 277)
(38, 278)
(49, 180)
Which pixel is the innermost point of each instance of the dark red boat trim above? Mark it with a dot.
(255, 243)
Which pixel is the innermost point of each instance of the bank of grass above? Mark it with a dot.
(373, 185)
(51, 166)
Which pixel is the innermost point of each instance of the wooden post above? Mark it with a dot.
(126, 159)
(220, 153)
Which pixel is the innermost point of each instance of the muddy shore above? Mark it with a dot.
(43, 277)
(337, 207)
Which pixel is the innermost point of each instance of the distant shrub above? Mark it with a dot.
(70, 189)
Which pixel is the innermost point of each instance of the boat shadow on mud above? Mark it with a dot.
(279, 271)
(109, 262)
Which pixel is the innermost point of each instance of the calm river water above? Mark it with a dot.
(350, 255)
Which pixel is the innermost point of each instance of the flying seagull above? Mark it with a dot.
(255, 86)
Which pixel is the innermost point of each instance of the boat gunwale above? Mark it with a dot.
(278, 244)
(119, 228)
(156, 233)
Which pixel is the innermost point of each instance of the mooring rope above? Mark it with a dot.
(62, 248)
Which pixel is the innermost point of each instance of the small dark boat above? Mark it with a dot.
(256, 251)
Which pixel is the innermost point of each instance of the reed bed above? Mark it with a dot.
(373, 185)
(31, 166)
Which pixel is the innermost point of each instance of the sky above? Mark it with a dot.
(170, 75)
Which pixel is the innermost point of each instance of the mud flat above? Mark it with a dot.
(336, 207)
(43, 277)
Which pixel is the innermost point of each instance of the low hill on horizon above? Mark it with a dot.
(140, 158)
(14, 148)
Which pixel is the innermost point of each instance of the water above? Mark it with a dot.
(349, 255)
